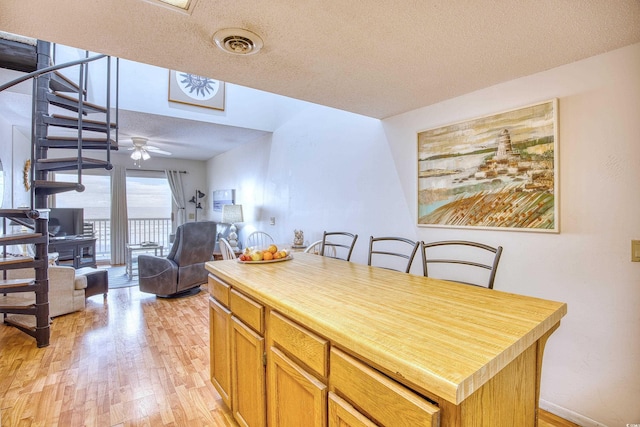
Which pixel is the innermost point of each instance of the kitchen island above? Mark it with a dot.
(316, 341)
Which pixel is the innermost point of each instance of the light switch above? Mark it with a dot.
(635, 250)
(272, 220)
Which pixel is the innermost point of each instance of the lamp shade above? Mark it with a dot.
(232, 214)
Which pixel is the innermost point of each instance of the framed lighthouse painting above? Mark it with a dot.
(494, 172)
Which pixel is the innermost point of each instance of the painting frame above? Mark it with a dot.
(199, 91)
(494, 172)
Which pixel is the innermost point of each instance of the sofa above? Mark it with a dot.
(66, 289)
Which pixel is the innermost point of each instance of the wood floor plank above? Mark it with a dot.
(130, 360)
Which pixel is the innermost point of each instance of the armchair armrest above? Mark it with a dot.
(157, 275)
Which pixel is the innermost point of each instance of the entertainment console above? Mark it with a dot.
(77, 251)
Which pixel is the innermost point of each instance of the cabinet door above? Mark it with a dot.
(342, 414)
(86, 254)
(220, 349)
(296, 398)
(247, 376)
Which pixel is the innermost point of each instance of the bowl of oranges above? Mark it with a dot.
(261, 256)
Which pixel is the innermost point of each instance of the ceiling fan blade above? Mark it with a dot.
(156, 150)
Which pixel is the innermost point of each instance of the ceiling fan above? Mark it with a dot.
(141, 150)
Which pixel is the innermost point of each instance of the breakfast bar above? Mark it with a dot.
(316, 341)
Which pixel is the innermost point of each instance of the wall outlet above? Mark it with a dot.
(635, 250)
(192, 216)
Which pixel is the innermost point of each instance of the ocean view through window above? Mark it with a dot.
(148, 207)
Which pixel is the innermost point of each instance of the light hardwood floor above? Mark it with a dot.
(132, 360)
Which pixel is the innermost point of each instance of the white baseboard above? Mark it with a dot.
(569, 415)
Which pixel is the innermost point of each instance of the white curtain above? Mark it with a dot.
(175, 183)
(119, 219)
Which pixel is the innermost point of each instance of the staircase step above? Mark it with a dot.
(13, 260)
(20, 237)
(46, 188)
(71, 103)
(61, 83)
(72, 143)
(73, 123)
(17, 285)
(19, 213)
(71, 163)
(22, 321)
(18, 55)
(10, 304)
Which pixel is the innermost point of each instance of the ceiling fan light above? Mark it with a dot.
(145, 155)
(136, 155)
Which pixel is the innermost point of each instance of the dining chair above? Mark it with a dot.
(393, 253)
(226, 249)
(338, 244)
(258, 240)
(470, 257)
(316, 249)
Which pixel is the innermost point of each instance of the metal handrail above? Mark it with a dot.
(42, 71)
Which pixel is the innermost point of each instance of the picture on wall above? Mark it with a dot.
(494, 172)
(223, 197)
(196, 90)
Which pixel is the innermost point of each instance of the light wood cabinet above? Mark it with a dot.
(296, 398)
(247, 375)
(383, 399)
(220, 351)
(237, 353)
(351, 345)
(298, 370)
(342, 414)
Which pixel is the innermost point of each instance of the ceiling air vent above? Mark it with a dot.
(238, 41)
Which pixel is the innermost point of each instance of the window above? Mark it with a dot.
(148, 207)
(148, 197)
(95, 199)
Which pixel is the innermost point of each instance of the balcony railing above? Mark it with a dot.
(140, 230)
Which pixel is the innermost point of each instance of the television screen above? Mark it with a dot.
(66, 221)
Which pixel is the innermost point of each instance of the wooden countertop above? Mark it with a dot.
(441, 337)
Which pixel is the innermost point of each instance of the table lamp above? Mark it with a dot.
(230, 215)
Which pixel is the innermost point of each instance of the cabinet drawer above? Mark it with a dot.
(384, 400)
(247, 310)
(309, 348)
(219, 290)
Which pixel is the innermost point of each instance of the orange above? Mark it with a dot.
(267, 256)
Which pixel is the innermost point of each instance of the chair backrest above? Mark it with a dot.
(470, 257)
(316, 249)
(394, 253)
(258, 240)
(194, 243)
(226, 250)
(338, 244)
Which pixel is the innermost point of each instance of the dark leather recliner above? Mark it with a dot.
(183, 269)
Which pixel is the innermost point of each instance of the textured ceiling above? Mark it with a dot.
(376, 58)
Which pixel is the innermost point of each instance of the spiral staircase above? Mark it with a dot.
(62, 119)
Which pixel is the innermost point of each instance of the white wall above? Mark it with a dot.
(327, 169)
(591, 363)
(14, 151)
